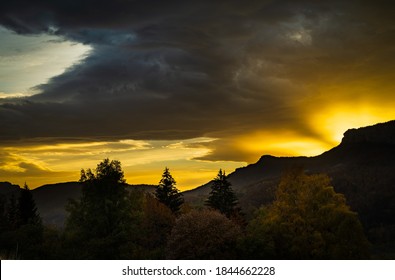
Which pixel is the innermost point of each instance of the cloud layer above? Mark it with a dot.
(166, 70)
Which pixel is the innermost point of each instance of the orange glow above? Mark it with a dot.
(142, 161)
(333, 121)
(281, 143)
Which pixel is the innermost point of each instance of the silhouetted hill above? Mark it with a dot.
(362, 167)
(379, 133)
(51, 199)
(6, 188)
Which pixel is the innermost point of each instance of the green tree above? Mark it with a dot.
(3, 214)
(167, 193)
(222, 197)
(4, 226)
(12, 213)
(27, 210)
(23, 236)
(308, 220)
(102, 223)
(8, 240)
(205, 234)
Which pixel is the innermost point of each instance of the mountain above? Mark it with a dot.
(362, 167)
(51, 199)
(6, 188)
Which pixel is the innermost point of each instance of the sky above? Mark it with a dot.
(191, 85)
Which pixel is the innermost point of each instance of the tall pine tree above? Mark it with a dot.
(28, 231)
(167, 193)
(222, 197)
(27, 210)
(12, 213)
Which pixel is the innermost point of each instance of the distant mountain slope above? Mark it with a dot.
(6, 188)
(362, 167)
(51, 199)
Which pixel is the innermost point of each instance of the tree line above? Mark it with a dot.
(307, 220)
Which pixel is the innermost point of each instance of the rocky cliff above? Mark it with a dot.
(380, 133)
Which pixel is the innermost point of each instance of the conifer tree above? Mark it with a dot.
(27, 210)
(4, 223)
(12, 213)
(167, 193)
(27, 228)
(222, 197)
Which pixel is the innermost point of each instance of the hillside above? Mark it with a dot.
(362, 167)
(6, 188)
(51, 199)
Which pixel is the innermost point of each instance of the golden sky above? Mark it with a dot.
(195, 87)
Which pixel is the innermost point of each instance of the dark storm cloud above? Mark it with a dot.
(183, 69)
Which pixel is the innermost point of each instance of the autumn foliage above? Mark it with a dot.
(307, 220)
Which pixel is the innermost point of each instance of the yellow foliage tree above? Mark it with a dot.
(308, 220)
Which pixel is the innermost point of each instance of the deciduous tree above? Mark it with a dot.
(205, 234)
(102, 222)
(308, 220)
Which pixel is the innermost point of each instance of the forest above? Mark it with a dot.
(306, 220)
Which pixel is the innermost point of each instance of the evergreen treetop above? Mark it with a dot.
(27, 211)
(222, 197)
(167, 193)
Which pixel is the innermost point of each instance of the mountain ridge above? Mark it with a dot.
(361, 167)
(51, 199)
(378, 133)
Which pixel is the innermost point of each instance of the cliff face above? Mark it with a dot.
(383, 133)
